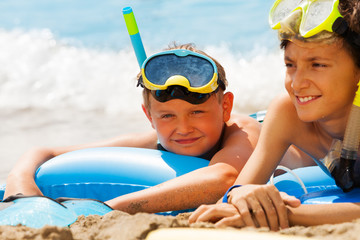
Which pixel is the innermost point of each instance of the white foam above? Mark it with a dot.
(40, 72)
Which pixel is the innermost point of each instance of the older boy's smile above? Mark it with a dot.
(306, 99)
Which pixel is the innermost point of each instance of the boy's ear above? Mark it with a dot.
(227, 104)
(147, 113)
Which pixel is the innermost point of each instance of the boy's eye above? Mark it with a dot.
(288, 65)
(167, 116)
(197, 112)
(318, 65)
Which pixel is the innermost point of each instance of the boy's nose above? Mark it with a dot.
(299, 80)
(184, 127)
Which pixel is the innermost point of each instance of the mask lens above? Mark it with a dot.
(316, 14)
(197, 70)
(282, 10)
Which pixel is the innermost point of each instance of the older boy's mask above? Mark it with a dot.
(308, 20)
(180, 74)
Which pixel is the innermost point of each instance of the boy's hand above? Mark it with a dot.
(222, 214)
(253, 205)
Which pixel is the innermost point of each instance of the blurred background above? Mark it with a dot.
(67, 68)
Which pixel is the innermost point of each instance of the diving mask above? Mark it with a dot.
(306, 18)
(180, 74)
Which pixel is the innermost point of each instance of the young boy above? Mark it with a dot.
(186, 104)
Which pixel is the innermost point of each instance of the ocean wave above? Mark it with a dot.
(41, 72)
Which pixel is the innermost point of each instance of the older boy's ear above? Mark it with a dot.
(147, 113)
(228, 100)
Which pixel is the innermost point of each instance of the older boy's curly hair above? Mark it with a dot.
(350, 10)
(190, 47)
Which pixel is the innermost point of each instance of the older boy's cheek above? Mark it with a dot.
(288, 85)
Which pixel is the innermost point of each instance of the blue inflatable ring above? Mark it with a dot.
(321, 189)
(106, 173)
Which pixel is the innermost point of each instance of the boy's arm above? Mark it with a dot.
(317, 214)
(263, 201)
(21, 177)
(205, 185)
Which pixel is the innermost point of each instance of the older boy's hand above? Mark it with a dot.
(252, 205)
(264, 203)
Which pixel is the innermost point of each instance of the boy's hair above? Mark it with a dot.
(350, 10)
(190, 47)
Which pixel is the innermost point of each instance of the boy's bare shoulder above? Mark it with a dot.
(243, 121)
(242, 127)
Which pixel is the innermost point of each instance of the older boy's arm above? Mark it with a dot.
(202, 186)
(316, 214)
(21, 177)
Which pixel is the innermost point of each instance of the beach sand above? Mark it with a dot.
(26, 128)
(122, 226)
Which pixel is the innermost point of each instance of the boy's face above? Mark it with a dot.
(189, 129)
(321, 80)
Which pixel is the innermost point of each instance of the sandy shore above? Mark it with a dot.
(24, 129)
(122, 226)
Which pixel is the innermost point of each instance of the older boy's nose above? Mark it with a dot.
(299, 80)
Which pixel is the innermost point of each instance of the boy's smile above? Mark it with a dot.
(320, 79)
(185, 141)
(185, 128)
(305, 99)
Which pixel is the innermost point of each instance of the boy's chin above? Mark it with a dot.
(188, 152)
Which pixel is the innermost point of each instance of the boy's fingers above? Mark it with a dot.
(280, 208)
(195, 215)
(243, 208)
(257, 211)
(290, 200)
(213, 213)
(234, 221)
(267, 216)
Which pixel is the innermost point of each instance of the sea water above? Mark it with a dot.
(67, 68)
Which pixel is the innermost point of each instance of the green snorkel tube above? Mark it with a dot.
(341, 163)
(134, 35)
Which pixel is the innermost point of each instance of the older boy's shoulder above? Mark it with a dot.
(282, 109)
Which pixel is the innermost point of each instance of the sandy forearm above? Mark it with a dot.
(202, 186)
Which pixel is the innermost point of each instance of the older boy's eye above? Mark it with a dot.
(318, 65)
(288, 65)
